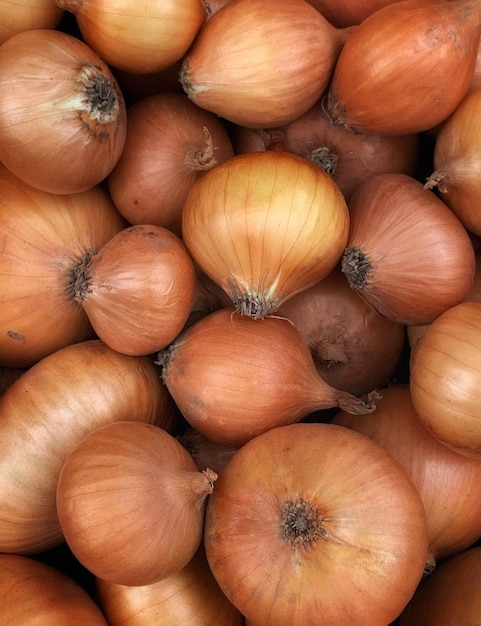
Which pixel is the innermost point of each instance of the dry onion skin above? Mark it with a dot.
(264, 226)
(445, 378)
(298, 47)
(314, 523)
(141, 38)
(17, 16)
(62, 114)
(403, 70)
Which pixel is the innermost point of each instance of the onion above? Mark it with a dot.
(457, 162)
(446, 378)
(403, 69)
(354, 348)
(315, 524)
(298, 47)
(264, 226)
(135, 37)
(350, 158)
(46, 241)
(447, 482)
(62, 115)
(170, 143)
(190, 596)
(46, 412)
(32, 592)
(138, 289)
(206, 453)
(450, 595)
(131, 502)
(417, 261)
(17, 16)
(233, 378)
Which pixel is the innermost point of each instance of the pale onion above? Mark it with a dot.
(233, 378)
(190, 596)
(354, 348)
(138, 289)
(315, 524)
(403, 70)
(131, 503)
(46, 241)
(264, 226)
(447, 482)
(19, 15)
(170, 144)
(407, 254)
(47, 411)
(62, 114)
(350, 158)
(445, 378)
(138, 37)
(261, 64)
(457, 162)
(32, 592)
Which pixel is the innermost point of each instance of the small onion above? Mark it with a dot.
(403, 69)
(62, 115)
(131, 502)
(17, 16)
(261, 64)
(233, 378)
(407, 254)
(264, 226)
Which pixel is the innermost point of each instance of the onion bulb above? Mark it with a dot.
(131, 503)
(264, 226)
(17, 16)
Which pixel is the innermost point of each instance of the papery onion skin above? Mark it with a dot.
(62, 114)
(402, 70)
(131, 503)
(135, 37)
(46, 240)
(445, 378)
(32, 592)
(313, 523)
(264, 226)
(46, 412)
(19, 15)
(298, 47)
(407, 254)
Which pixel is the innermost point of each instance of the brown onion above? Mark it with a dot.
(136, 37)
(315, 524)
(170, 143)
(407, 254)
(138, 289)
(131, 502)
(234, 378)
(403, 70)
(297, 47)
(46, 241)
(17, 16)
(264, 226)
(190, 596)
(206, 453)
(46, 412)
(62, 115)
(447, 482)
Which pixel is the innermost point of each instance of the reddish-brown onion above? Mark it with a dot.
(190, 596)
(46, 241)
(298, 47)
(131, 503)
(47, 411)
(170, 143)
(407, 254)
(234, 378)
(138, 289)
(448, 483)
(315, 524)
(62, 114)
(17, 16)
(402, 70)
(32, 592)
